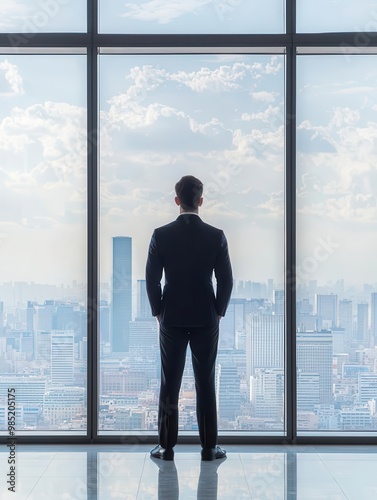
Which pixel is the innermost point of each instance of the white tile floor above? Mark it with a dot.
(104, 472)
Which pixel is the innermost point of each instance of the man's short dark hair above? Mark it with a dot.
(189, 190)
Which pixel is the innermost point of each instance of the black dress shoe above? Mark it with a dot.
(213, 453)
(164, 454)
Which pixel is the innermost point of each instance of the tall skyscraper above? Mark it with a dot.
(30, 316)
(264, 343)
(121, 293)
(1, 317)
(279, 301)
(373, 323)
(143, 306)
(367, 387)
(227, 326)
(362, 332)
(345, 319)
(326, 306)
(62, 357)
(314, 355)
(104, 317)
(267, 393)
(228, 394)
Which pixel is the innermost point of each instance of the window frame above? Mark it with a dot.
(291, 43)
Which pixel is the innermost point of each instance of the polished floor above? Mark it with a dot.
(104, 472)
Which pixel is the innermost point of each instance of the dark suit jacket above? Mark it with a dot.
(188, 250)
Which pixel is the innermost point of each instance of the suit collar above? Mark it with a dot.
(188, 216)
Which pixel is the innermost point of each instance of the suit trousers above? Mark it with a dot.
(173, 345)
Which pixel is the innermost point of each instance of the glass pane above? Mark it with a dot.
(336, 210)
(220, 118)
(43, 334)
(41, 16)
(338, 15)
(193, 16)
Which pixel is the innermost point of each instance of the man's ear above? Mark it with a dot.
(177, 202)
(200, 202)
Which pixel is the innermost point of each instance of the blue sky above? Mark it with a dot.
(337, 163)
(217, 117)
(43, 168)
(191, 16)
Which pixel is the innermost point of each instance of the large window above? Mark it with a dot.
(338, 15)
(273, 106)
(336, 210)
(43, 337)
(192, 16)
(221, 118)
(30, 17)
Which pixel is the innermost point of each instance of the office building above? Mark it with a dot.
(279, 301)
(362, 331)
(373, 322)
(143, 306)
(327, 309)
(314, 356)
(62, 357)
(346, 319)
(121, 294)
(227, 392)
(264, 342)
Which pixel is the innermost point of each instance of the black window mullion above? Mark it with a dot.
(92, 175)
(290, 227)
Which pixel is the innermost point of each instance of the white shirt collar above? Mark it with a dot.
(189, 213)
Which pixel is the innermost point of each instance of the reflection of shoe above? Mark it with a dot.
(164, 454)
(212, 453)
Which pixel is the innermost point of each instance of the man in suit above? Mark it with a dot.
(188, 310)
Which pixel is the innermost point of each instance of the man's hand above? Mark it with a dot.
(220, 317)
(158, 317)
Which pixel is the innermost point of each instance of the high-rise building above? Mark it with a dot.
(232, 321)
(362, 332)
(267, 393)
(264, 342)
(345, 319)
(62, 357)
(143, 306)
(326, 308)
(367, 386)
(30, 316)
(314, 355)
(63, 403)
(65, 318)
(373, 323)
(279, 301)
(144, 333)
(121, 293)
(228, 392)
(1, 317)
(42, 350)
(307, 390)
(104, 321)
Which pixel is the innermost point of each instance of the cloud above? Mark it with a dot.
(163, 11)
(13, 78)
(340, 184)
(259, 142)
(344, 116)
(264, 116)
(59, 128)
(354, 90)
(43, 169)
(222, 79)
(264, 96)
(11, 12)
